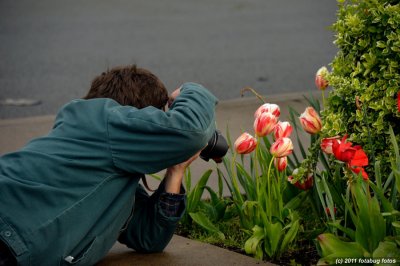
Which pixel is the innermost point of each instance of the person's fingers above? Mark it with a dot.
(173, 96)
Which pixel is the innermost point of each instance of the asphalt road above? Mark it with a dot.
(51, 50)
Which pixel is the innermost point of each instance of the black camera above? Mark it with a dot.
(216, 148)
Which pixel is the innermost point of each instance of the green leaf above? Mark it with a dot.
(274, 234)
(155, 176)
(253, 244)
(217, 204)
(329, 197)
(296, 201)
(386, 249)
(396, 224)
(220, 186)
(246, 181)
(293, 118)
(195, 195)
(188, 180)
(387, 206)
(370, 225)
(250, 210)
(229, 140)
(397, 176)
(204, 222)
(348, 231)
(332, 245)
(290, 235)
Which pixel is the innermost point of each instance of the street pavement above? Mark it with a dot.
(51, 50)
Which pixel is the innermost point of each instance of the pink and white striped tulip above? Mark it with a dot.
(282, 130)
(268, 108)
(264, 124)
(320, 78)
(281, 147)
(245, 143)
(281, 163)
(310, 121)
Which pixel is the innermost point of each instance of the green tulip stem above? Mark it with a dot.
(269, 188)
(257, 178)
(323, 98)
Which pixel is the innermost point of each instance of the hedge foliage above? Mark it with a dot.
(365, 77)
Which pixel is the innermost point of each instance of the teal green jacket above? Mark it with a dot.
(65, 198)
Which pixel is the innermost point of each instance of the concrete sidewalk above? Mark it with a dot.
(237, 114)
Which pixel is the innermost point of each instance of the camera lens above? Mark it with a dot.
(216, 148)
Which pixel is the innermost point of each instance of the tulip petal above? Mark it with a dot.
(310, 121)
(360, 158)
(357, 170)
(245, 143)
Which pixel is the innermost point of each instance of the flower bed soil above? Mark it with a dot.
(306, 255)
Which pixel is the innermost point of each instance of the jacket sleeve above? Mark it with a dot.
(149, 140)
(149, 230)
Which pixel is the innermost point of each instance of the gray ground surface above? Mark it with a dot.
(51, 50)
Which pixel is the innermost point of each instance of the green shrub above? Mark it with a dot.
(365, 77)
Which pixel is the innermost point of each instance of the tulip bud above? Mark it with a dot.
(304, 184)
(327, 144)
(268, 108)
(246, 143)
(320, 78)
(310, 121)
(280, 163)
(264, 124)
(282, 130)
(281, 147)
(328, 211)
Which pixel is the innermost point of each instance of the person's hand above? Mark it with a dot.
(175, 173)
(173, 96)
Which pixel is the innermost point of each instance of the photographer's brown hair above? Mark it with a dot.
(130, 85)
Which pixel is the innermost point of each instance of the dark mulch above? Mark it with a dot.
(306, 254)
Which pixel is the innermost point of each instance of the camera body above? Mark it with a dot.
(216, 148)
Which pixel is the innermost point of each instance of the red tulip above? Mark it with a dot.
(343, 150)
(327, 143)
(354, 156)
(264, 124)
(310, 121)
(268, 108)
(280, 163)
(282, 130)
(320, 78)
(281, 147)
(246, 143)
